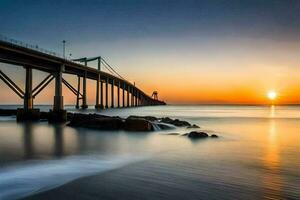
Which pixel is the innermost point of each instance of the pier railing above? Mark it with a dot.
(33, 47)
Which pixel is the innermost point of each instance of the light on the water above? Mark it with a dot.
(272, 95)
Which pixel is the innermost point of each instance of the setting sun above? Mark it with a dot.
(272, 95)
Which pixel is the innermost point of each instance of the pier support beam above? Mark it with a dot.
(106, 93)
(101, 95)
(136, 98)
(58, 98)
(123, 96)
(128, 91)
(112, 92)
(28, 113)
(58, 114)
(97, 106)
(78, 93)
(84, 103)
(132, 97)
(28, 99)
(118, 94)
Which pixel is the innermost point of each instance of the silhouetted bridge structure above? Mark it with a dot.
(32, 57)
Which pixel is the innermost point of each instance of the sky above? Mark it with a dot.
(191, 52)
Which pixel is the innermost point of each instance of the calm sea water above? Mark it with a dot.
(256, 157)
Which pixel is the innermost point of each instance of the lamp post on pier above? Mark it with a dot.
(64, 48)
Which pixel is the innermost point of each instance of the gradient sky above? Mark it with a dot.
(189, 51)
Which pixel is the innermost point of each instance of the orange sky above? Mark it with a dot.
(234, 71)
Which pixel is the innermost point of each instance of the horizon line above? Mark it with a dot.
(184, 104)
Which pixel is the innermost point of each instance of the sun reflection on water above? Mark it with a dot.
(272, 179)
(272, 111)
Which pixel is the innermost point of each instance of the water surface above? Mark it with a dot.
(256, 157)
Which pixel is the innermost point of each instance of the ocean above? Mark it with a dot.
(257, 156)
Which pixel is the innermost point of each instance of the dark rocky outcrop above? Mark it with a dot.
(173, 134)
(28, 115)
(175, 122)
(197, 134)
(96, 121)
(44, 115)
(193, 126)
(149, 118)
(137, 124)
(132, 123)
(102, 122)
(8, 112)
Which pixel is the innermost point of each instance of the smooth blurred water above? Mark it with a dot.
(256, 157)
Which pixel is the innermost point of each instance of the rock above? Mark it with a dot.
(57, 116)
(214, 136)
(8, 112)
(197, 134)
(175, 122)
(178, 122)
(137, 124)
(149, 118)
(166, 120)
(102, 122)
(28, 115)
(173, 134)
(95, 121)
(44, 116)
(193, 126)
(69, 116)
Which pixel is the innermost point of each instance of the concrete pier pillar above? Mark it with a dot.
(58, 98)
(123, 96)
(97, 105)
(143, 100)
(28, 99)
(101, 95)
(133, 100)
(106, 93)
(78, 93)
(112, 92)
(132, 97)
(28, 113)
(118, 93)
(128, 91)
(84, 103)
(58, 114)
(136, 98)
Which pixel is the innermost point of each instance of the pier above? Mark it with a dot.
(32, 57)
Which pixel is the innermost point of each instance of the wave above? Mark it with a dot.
(158, 126)
(36, 176)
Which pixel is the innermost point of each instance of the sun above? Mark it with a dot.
(272, 95)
